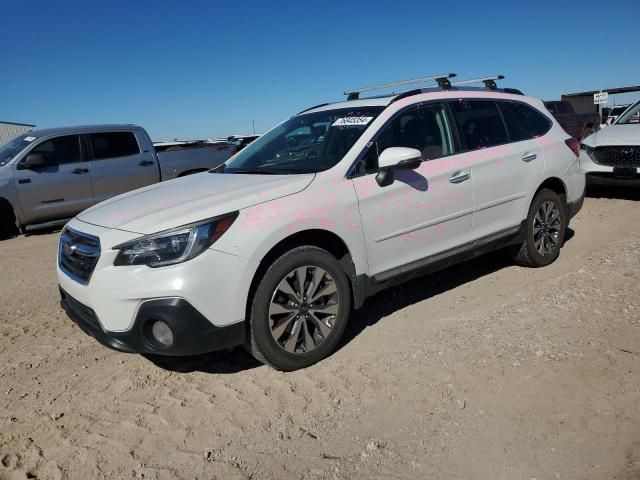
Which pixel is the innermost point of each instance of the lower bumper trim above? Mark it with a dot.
(193, 334)
(610, 178)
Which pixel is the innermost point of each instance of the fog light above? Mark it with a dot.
(162, 333)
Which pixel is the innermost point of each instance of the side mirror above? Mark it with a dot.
(33, 161)
(396, 158)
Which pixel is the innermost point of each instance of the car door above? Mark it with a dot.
(119, 164)
(505, 165)
(62, 188)
(424, 212)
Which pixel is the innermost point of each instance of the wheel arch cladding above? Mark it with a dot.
(323, 239)
(554, 184)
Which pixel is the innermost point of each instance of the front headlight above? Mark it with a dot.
(174, 246)
(586, 148)
(590, 151)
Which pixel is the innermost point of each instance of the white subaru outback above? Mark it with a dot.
(276, 247)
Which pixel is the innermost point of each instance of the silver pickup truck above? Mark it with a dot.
(53, 174)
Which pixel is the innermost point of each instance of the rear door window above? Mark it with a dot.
(61, 150)
(113, 144)
(523, 121)
(480, 124)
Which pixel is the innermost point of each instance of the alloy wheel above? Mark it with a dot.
(303, 309)
(547, 225)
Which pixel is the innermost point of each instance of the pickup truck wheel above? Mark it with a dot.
(8, 225)
(300, 309)
(545, 228)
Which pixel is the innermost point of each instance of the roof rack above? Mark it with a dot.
(442, 80)
(489, 82)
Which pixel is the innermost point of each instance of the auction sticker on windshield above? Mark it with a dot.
(349, 121)
(29, 139)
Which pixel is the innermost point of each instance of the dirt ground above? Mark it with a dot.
(484, 371)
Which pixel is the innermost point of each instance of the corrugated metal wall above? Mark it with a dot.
(582, 103)
(9, 131)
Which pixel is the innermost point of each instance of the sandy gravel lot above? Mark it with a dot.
(485, 371)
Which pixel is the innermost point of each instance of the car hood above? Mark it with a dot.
(190, 199)
(615, 135)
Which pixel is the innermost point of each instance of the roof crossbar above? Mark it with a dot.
(489, 82)
(442, 80)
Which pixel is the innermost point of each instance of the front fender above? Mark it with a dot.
(9, 193)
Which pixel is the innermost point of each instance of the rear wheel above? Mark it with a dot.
(300, 309)
(545, 227)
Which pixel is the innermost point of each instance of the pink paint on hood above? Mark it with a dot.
(190, 199)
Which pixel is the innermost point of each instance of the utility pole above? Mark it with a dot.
(253, 124)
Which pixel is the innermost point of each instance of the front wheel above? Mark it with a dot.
(544, 233)
(9, 226)
(300, 309)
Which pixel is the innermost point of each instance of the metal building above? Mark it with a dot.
(10, 130)
(582, 102)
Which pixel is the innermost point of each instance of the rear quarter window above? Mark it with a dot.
(524, 122)
(113, 145)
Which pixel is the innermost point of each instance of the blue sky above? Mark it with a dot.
(206, 69)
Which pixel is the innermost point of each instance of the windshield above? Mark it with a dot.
(632, 115)
(305, 143)
(14, 147)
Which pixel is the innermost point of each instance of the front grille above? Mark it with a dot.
(78, 254)
(617, 156)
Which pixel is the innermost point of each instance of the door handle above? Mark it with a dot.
(529, 157)
(24, 180)
(460, 177)
(146, 163)
(80, 171)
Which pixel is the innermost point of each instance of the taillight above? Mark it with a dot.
(574, 145)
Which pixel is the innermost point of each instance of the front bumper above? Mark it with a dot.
(607, 175)
(612, 179)
(202, 300)
(215, 283)
(192, 333)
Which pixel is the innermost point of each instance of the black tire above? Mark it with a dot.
(528, 253)
(8, 224)
(261, 342)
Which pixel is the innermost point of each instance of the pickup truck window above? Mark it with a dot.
(9, 150)
(479, 123)
(523, 121)
(60, 150)
(113, 145)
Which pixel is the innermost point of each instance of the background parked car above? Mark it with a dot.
(612, 155)
(578, 125)
(605, 116)
(241, 141)
(615, 112)
(47, 175)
